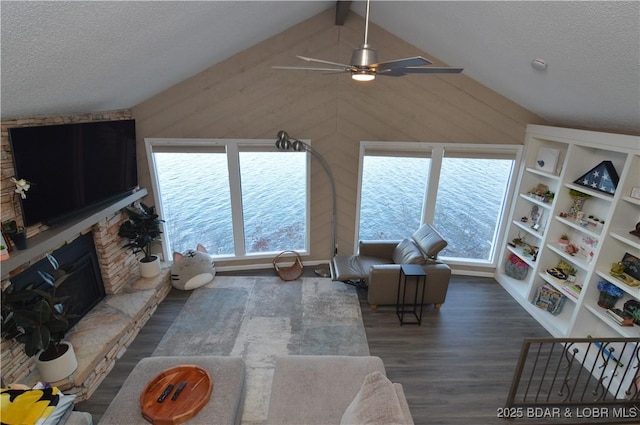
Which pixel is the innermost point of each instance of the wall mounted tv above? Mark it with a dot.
(73, 168)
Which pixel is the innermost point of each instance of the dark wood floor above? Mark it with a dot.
(456, 368)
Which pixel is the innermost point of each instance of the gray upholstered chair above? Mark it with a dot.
(377, 266)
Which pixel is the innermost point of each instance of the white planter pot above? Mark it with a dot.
(58, 369)
(150, 269)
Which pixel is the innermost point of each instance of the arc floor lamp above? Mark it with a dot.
(286, 143)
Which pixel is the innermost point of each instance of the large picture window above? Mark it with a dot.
(391, 204)
(230, 196)
(469, 206)
(461, 189)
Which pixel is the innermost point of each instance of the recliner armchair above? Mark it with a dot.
(377, 266)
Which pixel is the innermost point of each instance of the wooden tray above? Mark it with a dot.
(193, 397)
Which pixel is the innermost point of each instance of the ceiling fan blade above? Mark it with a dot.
(399, 72)
(302, 68)
(402, 63)
(342, 65)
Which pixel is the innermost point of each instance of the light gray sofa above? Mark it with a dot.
(328, 390)
(377, 265)
(307, 390)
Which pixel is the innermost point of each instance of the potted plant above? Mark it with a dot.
(609, 294)
(36, 317)
(142, 229)
(564, 239)
(17, 233)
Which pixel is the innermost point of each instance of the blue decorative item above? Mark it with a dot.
(609, 294)
(602, 178)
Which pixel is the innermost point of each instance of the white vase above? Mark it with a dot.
(150, 268)
(59, 368)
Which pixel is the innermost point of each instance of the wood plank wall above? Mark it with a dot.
(243, 97)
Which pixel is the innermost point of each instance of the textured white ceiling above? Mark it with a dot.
(63, 57)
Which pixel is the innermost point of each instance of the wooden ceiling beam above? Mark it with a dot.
(342, 10)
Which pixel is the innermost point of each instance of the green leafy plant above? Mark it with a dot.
(567, 268)
(548, 196)
(142, 229)
(577, 194)
(36, 317)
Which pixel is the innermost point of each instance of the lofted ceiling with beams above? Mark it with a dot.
(83, 56)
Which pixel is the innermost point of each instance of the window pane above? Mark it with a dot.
(274, 203)
(469, 205)
(194, 188)
(391, 197)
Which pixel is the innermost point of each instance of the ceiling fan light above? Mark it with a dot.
(363, 75)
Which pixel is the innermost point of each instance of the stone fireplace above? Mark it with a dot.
(104, 333)
(101, 336)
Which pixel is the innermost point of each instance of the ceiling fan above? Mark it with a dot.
(364, 65)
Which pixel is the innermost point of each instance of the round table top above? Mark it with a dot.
(162, 402)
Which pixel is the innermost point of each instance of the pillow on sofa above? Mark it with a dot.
(376, 403)
(406, 252)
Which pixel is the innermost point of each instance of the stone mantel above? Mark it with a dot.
(53, 237)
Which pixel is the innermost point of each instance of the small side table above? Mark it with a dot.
(402, 308)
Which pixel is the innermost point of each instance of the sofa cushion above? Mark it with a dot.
(376, 403)
(429, 240)
(406, 252)
(353, 267)
(316, 389)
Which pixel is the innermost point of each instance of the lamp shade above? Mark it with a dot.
(298, 146)
(283, 142)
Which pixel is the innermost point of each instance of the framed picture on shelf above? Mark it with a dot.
(587, 247)
(547, 159)
(536, 217)
(635, 192)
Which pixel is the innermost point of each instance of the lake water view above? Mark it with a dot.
(197, 209)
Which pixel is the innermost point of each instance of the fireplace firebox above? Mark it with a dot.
(84, 286)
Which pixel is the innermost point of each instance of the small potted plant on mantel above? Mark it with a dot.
(17, 233)
(142, 229)
(36, 317)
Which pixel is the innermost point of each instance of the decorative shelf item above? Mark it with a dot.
(547, 159)
(609, 294)
(627, 271)
(598, 218)
(516, 268)
(549, 299)
(603, 177)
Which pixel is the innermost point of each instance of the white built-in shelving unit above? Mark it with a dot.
(602, 245)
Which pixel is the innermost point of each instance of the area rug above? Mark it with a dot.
(261, 318)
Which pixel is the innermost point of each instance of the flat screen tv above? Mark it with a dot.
(73, 168)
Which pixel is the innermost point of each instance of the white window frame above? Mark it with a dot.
(436, 151)
(232, 148)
